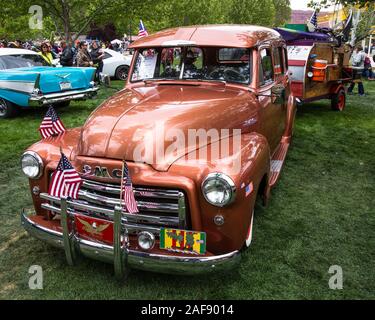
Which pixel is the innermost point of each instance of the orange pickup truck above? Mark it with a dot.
(204, 124)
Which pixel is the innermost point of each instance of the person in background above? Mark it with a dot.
(54, 55)
(367, 72)
(66, 57)
(83, 56)
(45, 53)
(358, 65)
(97, 56)
(18, 44)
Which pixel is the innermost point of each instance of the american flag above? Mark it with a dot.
(51, 124)
(142, 30)
(127, 191)
(314, 19)
(65, 181)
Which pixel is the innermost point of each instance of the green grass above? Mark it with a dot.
(321, 213)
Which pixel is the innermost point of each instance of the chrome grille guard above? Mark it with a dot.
(123, 222)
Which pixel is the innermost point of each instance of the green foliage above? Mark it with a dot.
(260, 12)
(74, 17)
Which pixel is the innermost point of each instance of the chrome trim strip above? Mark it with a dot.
(142, 205)
(181, 211)
(168, 221)
(61, 96)
(138, 191)
(136, 259)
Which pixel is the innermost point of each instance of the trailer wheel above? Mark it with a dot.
(8, 109)
(338, 100)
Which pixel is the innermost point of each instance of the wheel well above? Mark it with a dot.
(123, 65)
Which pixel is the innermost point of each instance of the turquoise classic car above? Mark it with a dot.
(27, 80)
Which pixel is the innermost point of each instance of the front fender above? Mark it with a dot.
(253, 158)
(49, 150)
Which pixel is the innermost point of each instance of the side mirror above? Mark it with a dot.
(278, 91)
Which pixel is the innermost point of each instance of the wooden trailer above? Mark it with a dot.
(319, 67)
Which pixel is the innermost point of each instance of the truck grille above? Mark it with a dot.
(157, 206)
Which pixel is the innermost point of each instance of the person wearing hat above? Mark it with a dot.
(83, 56)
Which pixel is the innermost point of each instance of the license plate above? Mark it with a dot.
(94, 228)
(183, 240)
(65, 85)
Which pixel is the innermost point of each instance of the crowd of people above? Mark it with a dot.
(80, 54)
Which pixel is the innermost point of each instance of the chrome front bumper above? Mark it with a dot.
(120, 254)
(36, 100)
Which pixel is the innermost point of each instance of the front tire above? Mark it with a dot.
(8, 109)
(122, 72)
(338, 100)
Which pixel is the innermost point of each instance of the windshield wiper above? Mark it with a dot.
(203, 80)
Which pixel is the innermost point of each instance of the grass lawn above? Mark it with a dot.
(321, 213)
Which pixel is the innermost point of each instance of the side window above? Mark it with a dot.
(265, 67)
(107, 55)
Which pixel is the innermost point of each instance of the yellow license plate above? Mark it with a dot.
(183, 240)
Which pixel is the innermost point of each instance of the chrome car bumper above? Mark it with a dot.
(120, 254)
(37, 100)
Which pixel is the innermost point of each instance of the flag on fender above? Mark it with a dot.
(65, 181)
(127, 193)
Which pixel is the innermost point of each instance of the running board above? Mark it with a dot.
(277, 162)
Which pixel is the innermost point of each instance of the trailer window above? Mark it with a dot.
(265, 67)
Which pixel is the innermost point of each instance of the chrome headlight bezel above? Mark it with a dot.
(225, 181)
(38, 161)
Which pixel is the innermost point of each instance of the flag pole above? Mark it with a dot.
(122, 181)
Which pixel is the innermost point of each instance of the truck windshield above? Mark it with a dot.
(194, 63)
(21, 61)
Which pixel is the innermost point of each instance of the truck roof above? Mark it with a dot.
(238, 36)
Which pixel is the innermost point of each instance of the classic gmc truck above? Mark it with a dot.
(204, 124)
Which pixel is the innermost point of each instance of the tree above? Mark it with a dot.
(363, 27)
(260, 12)
(283, 12)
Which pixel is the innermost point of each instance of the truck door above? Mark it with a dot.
(272, 113)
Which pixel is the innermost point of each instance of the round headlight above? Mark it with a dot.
(219, 189)
(32, 165)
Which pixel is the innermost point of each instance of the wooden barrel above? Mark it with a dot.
(319, 70)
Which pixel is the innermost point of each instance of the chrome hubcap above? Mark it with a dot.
(3, 107)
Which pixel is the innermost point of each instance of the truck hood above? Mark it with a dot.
(139, 121)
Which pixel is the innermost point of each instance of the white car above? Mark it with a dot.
(116, 64)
